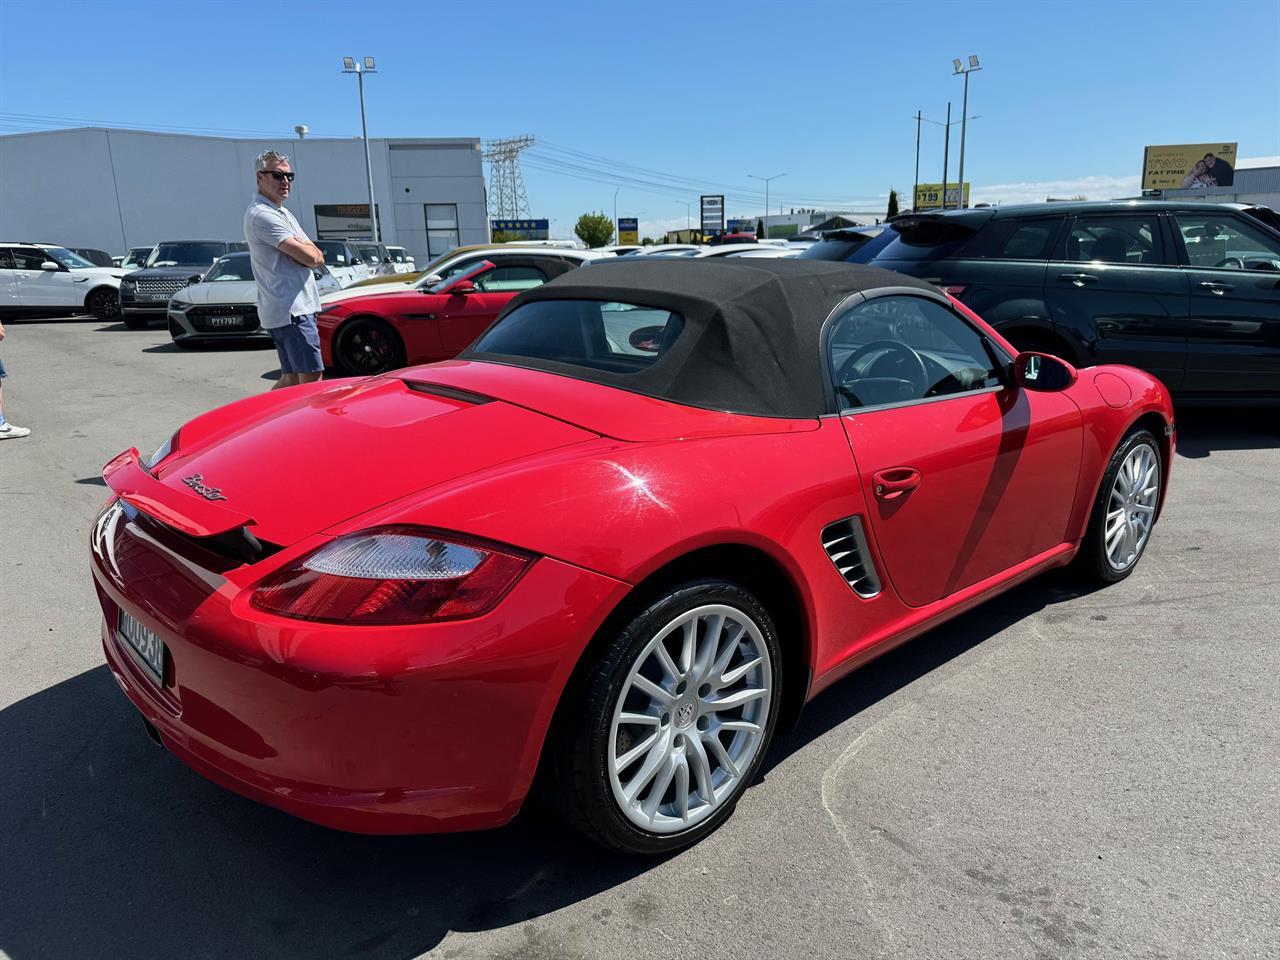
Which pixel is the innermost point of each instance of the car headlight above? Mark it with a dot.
(181, 306)
(126, 282)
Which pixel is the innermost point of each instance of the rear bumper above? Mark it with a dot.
(371, 730)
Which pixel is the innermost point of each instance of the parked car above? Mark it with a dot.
(669, 249)
(381, 331)
(401, 260)
(377, 256)
(171, 265)
(345, 262)
(42, 279)
(223, 305)
(459, 260)
(741, 249)
(136, 258)
(849, 244)
(99, 258)
(429, 269)
(621, 573)
(1188, 291)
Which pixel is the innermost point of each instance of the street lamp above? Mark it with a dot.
(615, 215)
(964, 113)
(921, 118)
(766, 197)
(350, 65)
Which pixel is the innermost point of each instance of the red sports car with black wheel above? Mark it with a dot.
(618, 543)
(367, 335)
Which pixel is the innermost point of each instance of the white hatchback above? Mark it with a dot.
(43, 279)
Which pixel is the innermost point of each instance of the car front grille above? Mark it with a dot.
(846, 545)
(167, 285)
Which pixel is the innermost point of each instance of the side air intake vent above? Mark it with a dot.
(846, 545)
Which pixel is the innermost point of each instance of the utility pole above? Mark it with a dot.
(964, 113)
(350, 65)
(766, 196)
(916, 191)
(615, 215)
(946, 148)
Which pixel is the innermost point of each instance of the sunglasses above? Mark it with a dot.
(280, 175)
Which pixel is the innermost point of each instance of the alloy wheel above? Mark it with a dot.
(690, 719)
(367, 349)
(1131, 508)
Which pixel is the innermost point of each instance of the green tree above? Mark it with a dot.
(594, 229)
(501, 236)
(893, 204)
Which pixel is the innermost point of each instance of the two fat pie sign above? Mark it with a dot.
(196, 483)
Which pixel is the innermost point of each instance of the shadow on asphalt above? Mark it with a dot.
(112, 847)
(94, 481)
(1202, 430)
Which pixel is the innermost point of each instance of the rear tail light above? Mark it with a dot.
(954, 289)
(393, 575)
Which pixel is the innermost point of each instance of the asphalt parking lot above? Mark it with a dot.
(1052, 775)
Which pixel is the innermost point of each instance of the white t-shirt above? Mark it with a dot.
(286, 289)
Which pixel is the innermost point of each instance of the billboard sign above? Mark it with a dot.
(522, 229)
(1189, 166)
(712, 214)
(344, 221)
(628, 230)
(929, 196)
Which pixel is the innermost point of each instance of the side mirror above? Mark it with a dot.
(49, 265)
(463, 287)
(195, 278)
(647, 339)
(1040, 371)
(432, 279)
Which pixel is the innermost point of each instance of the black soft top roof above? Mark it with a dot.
(751, 341)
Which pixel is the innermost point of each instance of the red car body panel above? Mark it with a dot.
(441, 725)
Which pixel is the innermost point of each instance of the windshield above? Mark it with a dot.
(461, 272)
(370, 253)
(231, 268)
(136, 258)
(185, 254)
(71, 261)
(335, 254)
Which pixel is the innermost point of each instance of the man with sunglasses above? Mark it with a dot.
(283, 259)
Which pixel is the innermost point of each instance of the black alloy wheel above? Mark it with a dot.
(104, 303)
(366, 347)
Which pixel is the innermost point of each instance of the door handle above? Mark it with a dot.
(1216, 288)
(1079, 279)
(895, 482)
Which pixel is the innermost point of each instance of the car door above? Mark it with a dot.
(41, 288)
(465, 316)
(964, 476)
(1233, 330)
(1116, 287)
(8, 280)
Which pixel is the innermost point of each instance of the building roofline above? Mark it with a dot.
(409, 141)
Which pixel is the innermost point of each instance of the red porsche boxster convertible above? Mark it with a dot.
(620, 541)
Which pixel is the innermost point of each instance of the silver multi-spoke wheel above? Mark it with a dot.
(1131, 508)
(690, 719)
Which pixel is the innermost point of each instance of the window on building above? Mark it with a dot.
(442, 228)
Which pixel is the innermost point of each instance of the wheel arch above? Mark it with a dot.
(340, 331)
(98, 289)
(1155, 422)
(750, 566)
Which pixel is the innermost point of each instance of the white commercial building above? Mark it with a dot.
(115, 189)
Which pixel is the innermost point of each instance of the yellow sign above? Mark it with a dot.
(1189, 166)
(628, 236)
(929, 196)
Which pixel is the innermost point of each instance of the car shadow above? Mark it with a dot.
(77, 318)
(113, 848)
(1203, 430)
(894, 670)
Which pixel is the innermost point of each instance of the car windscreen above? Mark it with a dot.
(72, 261)
(598, 335)
(231, 268)
(335, 254)
(185, 254)
(849, 246)
(370, 253)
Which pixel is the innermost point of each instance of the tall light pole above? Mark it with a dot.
(351, 65)
(919, 117)
(766, 197)
(916, 191)
(964, 113)
(946, 149)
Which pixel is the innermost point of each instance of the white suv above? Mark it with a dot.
(44, 279)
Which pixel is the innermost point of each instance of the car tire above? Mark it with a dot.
(135, 322)
(103, 303)
(367, 346)
(1124, 513)
(700, 757)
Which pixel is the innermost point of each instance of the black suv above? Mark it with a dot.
(172, 265)
(1189, 291)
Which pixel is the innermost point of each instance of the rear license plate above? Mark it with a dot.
(232, 321)
(143, 641)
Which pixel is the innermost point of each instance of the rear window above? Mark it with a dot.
(617, 337)
(1014, 240)
(928, 238)
(849, 246)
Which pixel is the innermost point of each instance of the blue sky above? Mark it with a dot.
(709, 91)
